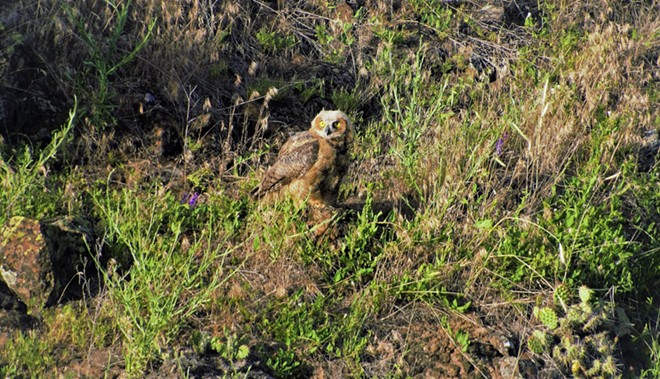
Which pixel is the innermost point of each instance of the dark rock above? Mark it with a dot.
(648, 151)
(516, 12)
(9, 302)
(39, 260)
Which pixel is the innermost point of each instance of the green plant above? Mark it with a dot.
(596, 250)
(15, 40)
(284, 364)
(164, 280)
(228, 345)
(310, 89)
(561, 296)
(304, 328)
(547, 316)
(105, 58)
(347, 101)
(322, 34)
(283, 228)
(27, 347)
(23, 186)
(462, 338)
(425, 285)
(538, 342)
(459, 337)
(584, 347)
(273, 41)
(653, 345)
(412, 109)
(583, 238)
(434, 15)
(358, 255)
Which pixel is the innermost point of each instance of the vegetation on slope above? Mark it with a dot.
(504, 186)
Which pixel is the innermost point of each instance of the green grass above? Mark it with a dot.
(105, 59)
(178, 269)
(473, 205)
(25, 178)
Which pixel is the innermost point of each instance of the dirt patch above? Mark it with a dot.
(461, 347)
(95, 363)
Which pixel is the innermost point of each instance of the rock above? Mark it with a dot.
(40, 259)
(648, 151)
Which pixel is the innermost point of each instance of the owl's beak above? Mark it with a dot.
(329, 129)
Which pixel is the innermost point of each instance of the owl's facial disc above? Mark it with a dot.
(330, 128)
(333, 126)
(330, 123)
(320, 126)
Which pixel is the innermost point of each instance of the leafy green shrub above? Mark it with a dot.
(273, 41)
(359, 252)
(303, 328)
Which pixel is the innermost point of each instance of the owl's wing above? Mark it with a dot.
(296, 157)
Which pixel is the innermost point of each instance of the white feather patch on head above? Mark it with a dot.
(328, 117)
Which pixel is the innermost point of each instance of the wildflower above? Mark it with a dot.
(500, 144)
(193, 199)
(190, 199)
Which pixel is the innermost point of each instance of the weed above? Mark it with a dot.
(653, 346)
(103, 59)
(358, 255)
(228, 345)
(303, 329)
(175, 279)
(346, 100)
(274, 42)
(283, 228)
(28, 347)
(23, 186)
(412, 110)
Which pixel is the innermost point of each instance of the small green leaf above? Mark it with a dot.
(484, 224)
(243, 352)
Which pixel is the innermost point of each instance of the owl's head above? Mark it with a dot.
(333, 124)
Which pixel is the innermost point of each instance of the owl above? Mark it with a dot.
(311, 164)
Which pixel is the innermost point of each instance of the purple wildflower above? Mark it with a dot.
(500, 144)
(190, 199)
(193, 199)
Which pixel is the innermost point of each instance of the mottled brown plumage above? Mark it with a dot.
(311, 164)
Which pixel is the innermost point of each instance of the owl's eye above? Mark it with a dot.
(322, 124)
(336, 124)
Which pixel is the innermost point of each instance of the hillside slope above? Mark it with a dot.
(499, 217)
